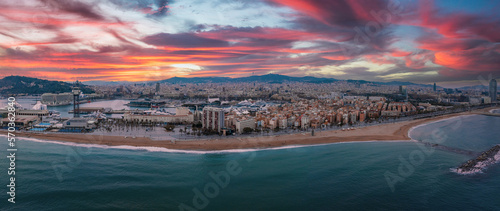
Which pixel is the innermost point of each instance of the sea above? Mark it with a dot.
(391, 175)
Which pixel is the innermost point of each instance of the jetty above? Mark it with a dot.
(477, 164)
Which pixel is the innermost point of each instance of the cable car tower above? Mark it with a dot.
(76, 99)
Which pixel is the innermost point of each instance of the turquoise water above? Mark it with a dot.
(345, 176)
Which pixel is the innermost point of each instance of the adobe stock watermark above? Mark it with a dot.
(75, 154)
(212, 189)
(417, 157)
(74, 157)
(485, 81)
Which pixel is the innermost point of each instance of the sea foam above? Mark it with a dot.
(481, 163)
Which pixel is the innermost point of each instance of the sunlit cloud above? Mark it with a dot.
(151, 40)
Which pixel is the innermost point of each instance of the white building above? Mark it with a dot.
(159, 118)
(79, 123)
(486, 100)
(283, 123)
(242, 124)
(57, 99)
(304, 121)
(182, 111)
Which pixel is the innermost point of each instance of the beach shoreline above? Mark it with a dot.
(398, 131)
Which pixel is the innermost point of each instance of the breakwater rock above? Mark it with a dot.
(481, 162)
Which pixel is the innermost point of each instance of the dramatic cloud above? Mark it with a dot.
(379, 40)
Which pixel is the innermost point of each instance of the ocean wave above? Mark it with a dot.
(162, 149)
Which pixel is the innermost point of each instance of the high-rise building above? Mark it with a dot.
(402, 89)
(212, 118)
(493, 90)
(157, 88)
(434, 88)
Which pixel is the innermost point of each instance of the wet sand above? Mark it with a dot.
(383, 132)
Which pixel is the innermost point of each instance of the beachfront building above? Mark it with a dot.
(212, 119)
(158, 118)
(304, 122)
(244, 123)
(78, 124)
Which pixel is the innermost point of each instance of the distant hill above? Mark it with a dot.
(27, 85)
(269, 78)
(276, 78)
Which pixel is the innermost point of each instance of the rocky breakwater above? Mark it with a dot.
(480, 163)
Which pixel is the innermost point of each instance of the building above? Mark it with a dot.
(244, 123)
(486, 100)
(283, 123)
(182, 111)
(435, 87)
(57, 99)
(402, 90)
(493, 90)
(395, 109)
(362, 116)
(79, 124)
(20, 121)
(475, 100)
(304, 122)
(157, 88)
(212, 119)
(158, 118)
(38, 113)
(273, 123)
(353, 117)
(376, 98)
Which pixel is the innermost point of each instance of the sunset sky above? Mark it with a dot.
(453, 43)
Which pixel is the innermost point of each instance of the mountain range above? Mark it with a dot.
(276, 78)
(269, 78)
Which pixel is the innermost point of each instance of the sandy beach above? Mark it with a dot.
(383, 132)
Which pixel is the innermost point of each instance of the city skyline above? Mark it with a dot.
(449, 43)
